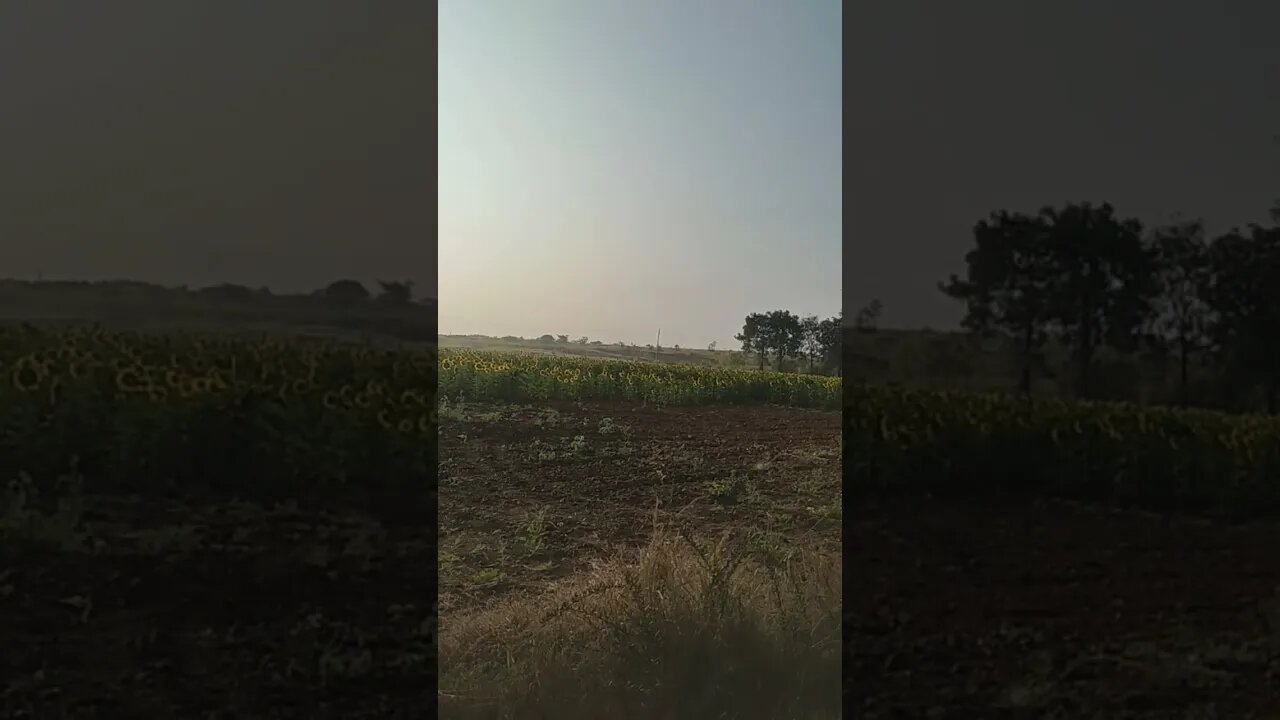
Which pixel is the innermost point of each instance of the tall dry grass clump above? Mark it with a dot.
(681, 628)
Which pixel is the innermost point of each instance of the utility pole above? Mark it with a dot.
(656, 345)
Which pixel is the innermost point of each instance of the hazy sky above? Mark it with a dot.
(284, 143)
(610, 167)
(956, 109)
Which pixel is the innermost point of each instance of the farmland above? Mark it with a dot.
(514, 376)
(195, 522)
(636, 540)
(1060, 559)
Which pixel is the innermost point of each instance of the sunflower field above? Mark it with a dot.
(289, 418)
(529, 377)
(968, 444)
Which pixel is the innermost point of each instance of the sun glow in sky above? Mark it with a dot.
(609, 167)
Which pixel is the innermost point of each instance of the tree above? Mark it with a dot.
(396, 293)
(1184, 275)
(868, 318)
(711, 346)
(782, 334)
(830, 332)
(345, 293)
(1008, 286)
(227, 292)
(811, 340)
(753, 336)
(1104, 281)
(582, 340)
(562, 339)
(1244, 296)
(546, 339)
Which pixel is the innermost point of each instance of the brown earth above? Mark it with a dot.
(529, 494)
(149, 609)
(959, 610)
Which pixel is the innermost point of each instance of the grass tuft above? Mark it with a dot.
(680, 628)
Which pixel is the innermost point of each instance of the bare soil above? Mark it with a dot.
(150, 609)
(529, 494)
(968, 610)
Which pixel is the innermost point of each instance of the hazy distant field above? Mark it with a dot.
(588, 350)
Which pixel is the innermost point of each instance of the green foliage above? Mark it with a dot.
(1081, 275)
(787, 336)
(952, 443)
(146, 413)
(522, 377)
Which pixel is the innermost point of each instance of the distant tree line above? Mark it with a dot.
(1092, 280)
(344, 292)
(783, 335)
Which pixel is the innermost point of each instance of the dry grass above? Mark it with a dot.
(681, 628)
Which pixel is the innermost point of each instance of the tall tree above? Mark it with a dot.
(1244, 296)
(783, 334)
(1008, 286)
(829, 334)
(753, 336)
(811, 340)
(1183, 268)
(1104, 281)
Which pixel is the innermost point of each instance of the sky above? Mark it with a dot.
(958, 109)
(611, 168)
(285, 143)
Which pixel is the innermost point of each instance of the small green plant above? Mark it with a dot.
(534, 531)
(456, 412)
(722, 489)
(607, 426)
(487, 577)
(578, 445)
(547, 417)
(544, 453)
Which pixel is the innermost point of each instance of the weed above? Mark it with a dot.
(722, 489)
(534, 531)
(456, 412)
